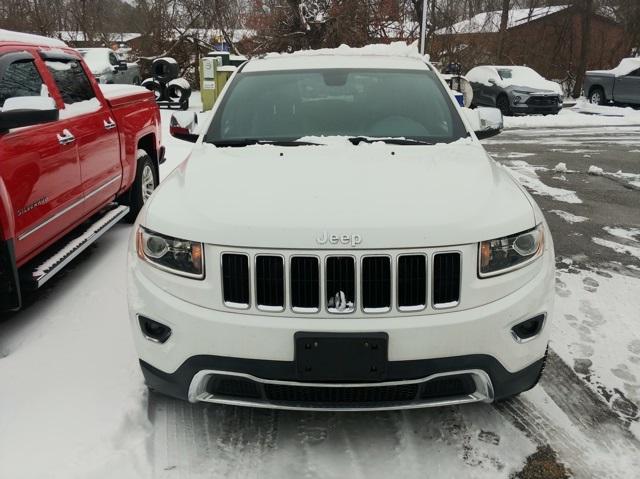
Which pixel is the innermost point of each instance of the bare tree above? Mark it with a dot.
(587, 8)
(504, 24)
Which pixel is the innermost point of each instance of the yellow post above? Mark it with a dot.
(208, 87)
(222, 76)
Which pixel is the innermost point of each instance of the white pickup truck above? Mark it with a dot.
(109, 67)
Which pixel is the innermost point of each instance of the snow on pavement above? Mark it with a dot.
(595, 332)
(73, 401)
(569, 217)
(527, 176)
(74, 404)
(582, 114)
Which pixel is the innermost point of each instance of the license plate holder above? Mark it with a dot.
(341, 356)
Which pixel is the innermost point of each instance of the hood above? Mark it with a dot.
(384, 196)
(540, 86)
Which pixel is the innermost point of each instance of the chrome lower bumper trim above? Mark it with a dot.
(484, 392)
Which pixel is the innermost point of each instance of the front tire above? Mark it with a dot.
(596, 96)
(502, 103)
(145, 183)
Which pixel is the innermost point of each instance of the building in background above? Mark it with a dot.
(548, 39)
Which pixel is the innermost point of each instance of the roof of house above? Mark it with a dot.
(489, 22)
(74, 36)
(19, 37)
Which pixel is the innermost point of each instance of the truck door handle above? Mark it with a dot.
(66, 137)
(109, 124)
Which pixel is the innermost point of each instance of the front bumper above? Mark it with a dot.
(256, 378)
(258, 351)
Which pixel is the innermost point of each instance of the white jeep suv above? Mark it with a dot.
(340, 240)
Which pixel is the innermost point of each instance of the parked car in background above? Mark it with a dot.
(515, 90)
(620, 84)
(109, 67)
(75, 158)
(376, 257)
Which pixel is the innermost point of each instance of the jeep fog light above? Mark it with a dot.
(505, 254)
(529, 329)
(153, 330)
(177, 256)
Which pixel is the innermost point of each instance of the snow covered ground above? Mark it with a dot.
(73, 403)
(581, 114)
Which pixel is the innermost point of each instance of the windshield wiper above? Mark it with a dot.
(256, 141)
(356, 140)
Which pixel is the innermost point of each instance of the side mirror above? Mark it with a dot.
(184, 126)
(122, 66)
(486, 122)
(492, 81)
(22, 111)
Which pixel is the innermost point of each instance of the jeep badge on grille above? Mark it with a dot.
(352, 240)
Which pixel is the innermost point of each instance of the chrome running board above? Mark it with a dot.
(198, 392)
(47, 269)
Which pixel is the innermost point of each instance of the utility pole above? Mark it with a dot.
(423, 29)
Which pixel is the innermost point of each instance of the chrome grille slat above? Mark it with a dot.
(305, 284)
(341, 284)
(364, 281)
(270, 282)
(446, 279)
(376, 284)
(235, 280)
(412, 282)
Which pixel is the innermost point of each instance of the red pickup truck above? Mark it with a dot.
(75, 158)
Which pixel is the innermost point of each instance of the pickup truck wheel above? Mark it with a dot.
(143, 186)
(596, 97)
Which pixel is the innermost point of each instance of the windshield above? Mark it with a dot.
(288, 105)
(522, 74)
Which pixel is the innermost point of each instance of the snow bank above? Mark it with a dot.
(560, 168)
(18, 37)
(595, 170)
(583, 114)
(626, 113)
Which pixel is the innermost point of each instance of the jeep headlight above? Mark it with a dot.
(501, 255)
(177, 256)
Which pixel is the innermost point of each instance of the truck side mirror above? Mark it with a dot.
(122, 65)
(486, 122)
(22, 111)
(184, 126)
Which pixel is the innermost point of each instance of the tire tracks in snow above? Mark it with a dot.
(476, 440)
(565, 414)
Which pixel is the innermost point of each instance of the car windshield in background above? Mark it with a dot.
(284, 106)
(522, 74)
